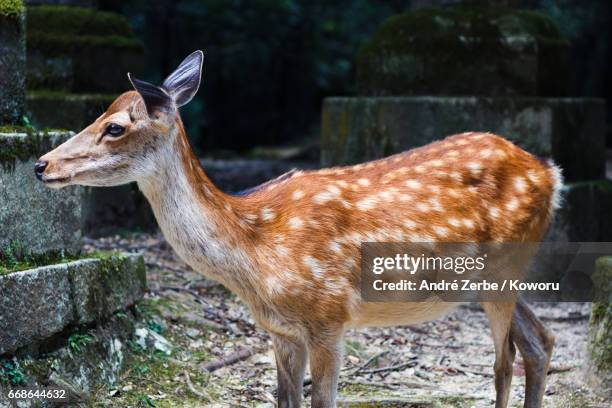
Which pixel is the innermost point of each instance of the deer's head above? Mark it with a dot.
(127, 141)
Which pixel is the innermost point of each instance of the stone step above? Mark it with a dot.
(38, 303)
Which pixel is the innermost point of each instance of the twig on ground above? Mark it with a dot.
(200, 393)
(568, 318)
(369, 361)
(396, 367)
(388, 386)
(230, 359)
(559, 369)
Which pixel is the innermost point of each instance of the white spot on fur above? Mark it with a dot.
(440, 231)
(520, 185)
(413, 184)
(435, 204)
(512, 205)
(533, 176)
(363, 182)
(422, 207)
(342, 183)
(494, 212)
(282, 250)
(334, 246)
(295, 222)
(410, 224)
(267, 214)
(468, 223)
(404, 197)
(297, 194)
(367, 203)
(315, 266)
(454, 222)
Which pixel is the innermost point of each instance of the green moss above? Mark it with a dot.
(16, 257)
(61, 30)
(424, 47)
(57, 44)
(21, 148)
(63, 96)
(11, 8)
(77, 21)
(600, 328)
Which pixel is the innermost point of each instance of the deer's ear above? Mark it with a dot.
(184, 82)
(155, 98)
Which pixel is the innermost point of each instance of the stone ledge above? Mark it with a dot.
(38, 303)
(570, 130)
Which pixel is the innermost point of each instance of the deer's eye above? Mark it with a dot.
(114, 130)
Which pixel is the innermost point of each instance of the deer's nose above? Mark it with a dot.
(39, 168)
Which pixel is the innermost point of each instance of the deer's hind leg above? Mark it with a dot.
(535, 342)
(291, 357)
(499, 315)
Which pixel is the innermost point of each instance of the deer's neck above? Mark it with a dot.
(203, 225)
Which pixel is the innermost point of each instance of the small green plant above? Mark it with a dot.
(27, 123)
(10, 373)
(77, 341)
(146, 401)
(135, 347)
(154, 326)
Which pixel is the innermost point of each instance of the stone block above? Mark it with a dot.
(599, 356)
(468, 50)
(38, 303)
(585, 213)
(36, 217)
(570, 130)
(69, 49)
(65, 110)
(103, 286)
(12, 61)
(34, 305)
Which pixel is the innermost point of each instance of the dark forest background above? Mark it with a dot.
(269, 63)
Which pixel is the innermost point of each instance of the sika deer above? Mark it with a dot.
(290, 249)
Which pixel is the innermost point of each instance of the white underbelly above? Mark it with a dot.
(376, 314)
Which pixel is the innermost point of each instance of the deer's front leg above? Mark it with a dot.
(325, 361)
(290, 366)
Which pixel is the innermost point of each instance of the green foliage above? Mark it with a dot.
(11, 8)
(77, 341)
(10, 373)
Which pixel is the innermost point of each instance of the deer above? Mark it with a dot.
(290, 248)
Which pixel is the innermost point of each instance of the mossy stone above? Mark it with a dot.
(69, 49)
(441, 51)
(12, 61)
(11, 8)
(599, 367)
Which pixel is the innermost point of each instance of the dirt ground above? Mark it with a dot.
(445, 363)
